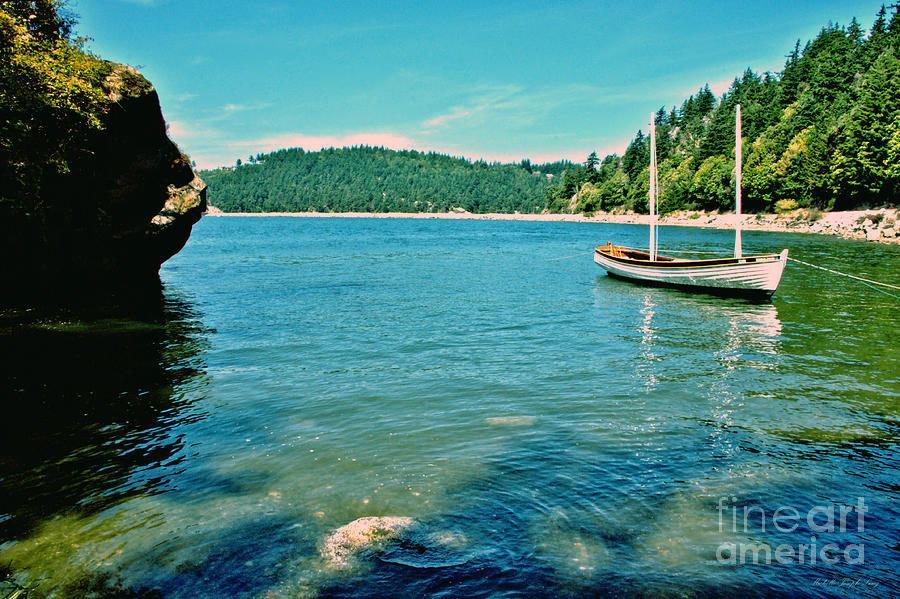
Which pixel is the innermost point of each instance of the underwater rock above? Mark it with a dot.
(510, 420)
(369, 533)
(397, 540)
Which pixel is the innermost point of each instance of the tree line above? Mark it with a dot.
(376, 179)
(824, 133)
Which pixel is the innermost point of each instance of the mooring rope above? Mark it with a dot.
(566, 257)
(880, 290)
(864, 281)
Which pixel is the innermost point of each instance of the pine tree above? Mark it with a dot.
(637, 156)
(719, 138)
(860, 171)
(791, 77)
(878, 38)
(893, 30)
(705, 102)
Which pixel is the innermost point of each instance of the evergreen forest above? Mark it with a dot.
(823, 133)
(367, 179)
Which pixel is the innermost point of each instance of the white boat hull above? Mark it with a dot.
(754, 276)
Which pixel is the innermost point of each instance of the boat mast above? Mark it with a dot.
(737, 184)
(653, 241)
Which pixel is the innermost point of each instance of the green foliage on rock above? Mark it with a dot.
(51, 98)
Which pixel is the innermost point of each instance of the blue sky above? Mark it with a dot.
(495, 80)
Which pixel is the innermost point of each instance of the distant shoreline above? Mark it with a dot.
(874, 225)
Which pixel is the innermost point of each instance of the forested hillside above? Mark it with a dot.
(370, 179)
(824, 133)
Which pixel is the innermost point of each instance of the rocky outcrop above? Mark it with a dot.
(127, 204)
(871, 225)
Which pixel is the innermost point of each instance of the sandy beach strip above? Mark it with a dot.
(874, 225)
(422, 215)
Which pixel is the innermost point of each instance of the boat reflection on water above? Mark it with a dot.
(648, 339)
(742, 319)
(712, 343)
(732, 333)
(708, 363)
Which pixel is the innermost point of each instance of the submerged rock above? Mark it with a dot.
(370, 533)
(127, 204)
(510, 420)
(398, 540)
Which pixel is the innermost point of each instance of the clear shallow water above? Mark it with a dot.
(549, 430)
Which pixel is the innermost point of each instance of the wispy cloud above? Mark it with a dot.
(514, 106)
(456, 114)
(482, 100)
(212, 147)
(190, 133)
(231, 109)
(184, 97)
(177, 129)
(574, 154)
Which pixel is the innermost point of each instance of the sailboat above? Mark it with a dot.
(752, 276)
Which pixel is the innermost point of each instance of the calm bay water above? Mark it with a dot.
(550, 431)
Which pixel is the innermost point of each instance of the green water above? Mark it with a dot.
(533, 427)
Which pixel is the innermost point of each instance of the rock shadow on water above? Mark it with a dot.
(91, 395)
(244, 561)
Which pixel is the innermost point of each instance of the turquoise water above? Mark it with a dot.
(525, 426)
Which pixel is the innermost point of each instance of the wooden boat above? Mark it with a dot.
(749, 276)
(755, 276)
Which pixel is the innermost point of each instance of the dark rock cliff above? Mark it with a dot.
(126, 205)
